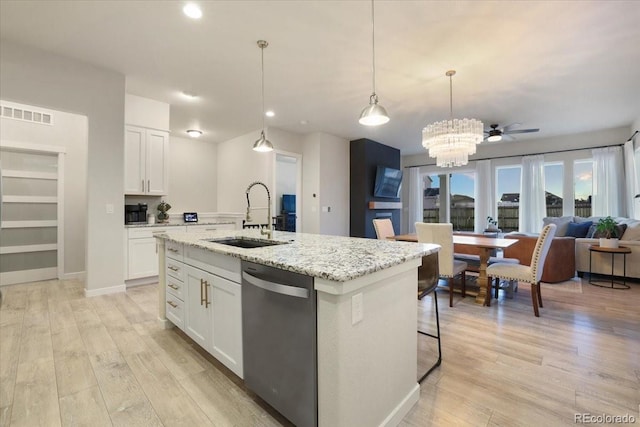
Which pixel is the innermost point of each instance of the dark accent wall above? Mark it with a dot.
(365, 156)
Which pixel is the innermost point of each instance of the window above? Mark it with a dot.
(583, 187)
(431, 201)
(462, 213)
(553, 180)
(508, 196)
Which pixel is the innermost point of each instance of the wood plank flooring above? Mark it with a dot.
(73, 361)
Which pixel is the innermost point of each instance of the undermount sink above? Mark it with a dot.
(241, 242)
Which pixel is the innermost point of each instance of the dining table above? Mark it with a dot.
(484, 244)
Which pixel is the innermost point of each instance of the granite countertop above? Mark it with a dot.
(333, 258)
(174, 224)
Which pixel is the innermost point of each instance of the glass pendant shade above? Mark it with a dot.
(262, 145)
(373, 114)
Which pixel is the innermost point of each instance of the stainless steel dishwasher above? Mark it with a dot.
(279, 340)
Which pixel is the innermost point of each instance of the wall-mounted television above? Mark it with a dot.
(388, 182)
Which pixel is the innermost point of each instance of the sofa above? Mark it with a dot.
(601, 262)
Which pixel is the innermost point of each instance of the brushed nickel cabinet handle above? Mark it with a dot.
(143, 185)
(172, 286)
(148, 185)
(172, 304)
(172, 268)
(202, 298)
(173, 250)
(206, 294)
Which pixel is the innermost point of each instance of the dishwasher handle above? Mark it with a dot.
(277, 288)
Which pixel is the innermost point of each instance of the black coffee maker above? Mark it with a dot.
(135, 213)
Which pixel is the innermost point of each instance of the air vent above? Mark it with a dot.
(25, 115)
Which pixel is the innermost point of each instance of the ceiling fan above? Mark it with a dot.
(496, 134)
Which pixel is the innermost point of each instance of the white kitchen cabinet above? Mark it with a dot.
(208, 284)
(142, 251)
(227, 323)
(198, 317)
(146, 157)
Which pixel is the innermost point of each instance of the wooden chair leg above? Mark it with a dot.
(534, 298)
(496, 286)
(450, 280)
(464, 284)
(539, 295)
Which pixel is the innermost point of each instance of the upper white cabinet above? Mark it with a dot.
(146, 156)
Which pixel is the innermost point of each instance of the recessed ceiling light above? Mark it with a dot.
(189, 95)
(194, 133)
(269, 113)
(192, 10)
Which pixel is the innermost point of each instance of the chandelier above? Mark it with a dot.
(452, 141)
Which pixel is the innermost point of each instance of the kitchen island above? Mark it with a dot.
(366, 313)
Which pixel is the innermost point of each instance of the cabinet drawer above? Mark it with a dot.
(175, 269)
(175, 287)
(222, 265)
(175, 312)
(145, 232)
(174, 250)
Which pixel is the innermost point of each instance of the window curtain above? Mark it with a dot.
(631, 181)
(415, 200)
(484, 196)
(533, 204)
(608, 182)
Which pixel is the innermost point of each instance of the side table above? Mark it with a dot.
(613, 251)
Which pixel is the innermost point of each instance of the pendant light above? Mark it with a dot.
(373, 114)
(452, 141)
(262, 145)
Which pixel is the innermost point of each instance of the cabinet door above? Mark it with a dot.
(134, 160)
(227, 324)
(142, 258)
(157, 158)
(197, 313)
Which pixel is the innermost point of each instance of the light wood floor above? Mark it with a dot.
(75, 361)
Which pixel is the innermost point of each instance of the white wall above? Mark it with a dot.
(193, 175)
(326, 184)
(68, 131)
(40, 78)
(146, 112)
(238, 166)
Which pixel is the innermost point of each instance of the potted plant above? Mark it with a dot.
(607, 226)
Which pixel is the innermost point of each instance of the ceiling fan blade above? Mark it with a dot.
(521, 131)
(507, 137)
(507, 127)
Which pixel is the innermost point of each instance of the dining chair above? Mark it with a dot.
(442, 234)
(528, 273)
(384, 228)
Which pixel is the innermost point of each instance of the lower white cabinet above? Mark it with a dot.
(198, 311)
(212, 310)
(227, 324)
(142, 252)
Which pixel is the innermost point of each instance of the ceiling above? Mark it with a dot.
(562, 66)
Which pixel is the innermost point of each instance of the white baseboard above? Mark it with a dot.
(78, 275)
(165, 324)
(403, 408)
(105, 291)
(142, 281)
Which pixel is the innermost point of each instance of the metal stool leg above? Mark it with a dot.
(435, 365)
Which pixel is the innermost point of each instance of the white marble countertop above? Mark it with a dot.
(333, 258)
(174, 224)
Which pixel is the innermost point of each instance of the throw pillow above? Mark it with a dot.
(632, 232)
(591, 232)
(578, 230)
(561, 222)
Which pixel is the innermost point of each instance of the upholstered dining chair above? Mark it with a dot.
(528, 273)
(442, 234)
(384, 228)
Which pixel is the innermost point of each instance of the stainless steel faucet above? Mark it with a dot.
(269, 230)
